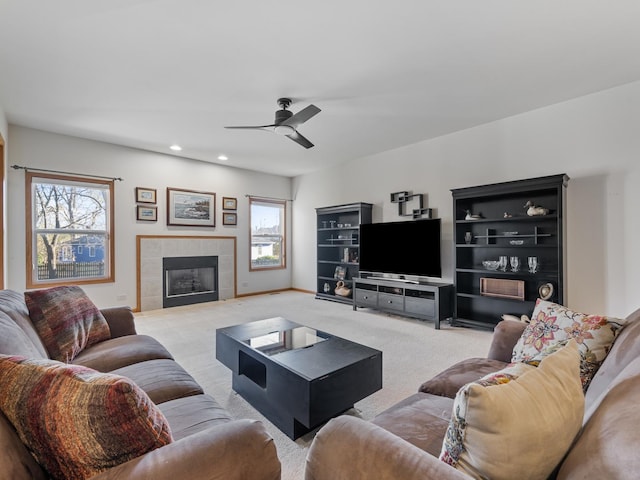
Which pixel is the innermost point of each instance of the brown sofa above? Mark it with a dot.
(208, 443)
(404, 441)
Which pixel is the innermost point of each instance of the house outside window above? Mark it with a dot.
(267, 220)
(70, 230)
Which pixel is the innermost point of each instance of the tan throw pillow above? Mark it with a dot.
(519, 429)
(66, 320)
(553, 325)
(75, 421)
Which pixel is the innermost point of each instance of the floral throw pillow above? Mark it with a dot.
(553, 325)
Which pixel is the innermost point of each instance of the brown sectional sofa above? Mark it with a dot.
(208, 443)
(404, 441)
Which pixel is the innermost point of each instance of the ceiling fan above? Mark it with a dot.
(287, 122)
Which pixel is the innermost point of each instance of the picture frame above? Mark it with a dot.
(191, 208)
(229, 203)
(229, 218)
(145, 195)
(145, 213)
(340, 273)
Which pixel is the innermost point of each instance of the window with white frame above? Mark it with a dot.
(267, 220)
(70, 229)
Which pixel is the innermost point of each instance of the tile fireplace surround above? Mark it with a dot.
(151, 249)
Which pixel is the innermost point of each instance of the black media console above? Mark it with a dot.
(425, 301)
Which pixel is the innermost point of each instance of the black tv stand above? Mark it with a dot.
(422, 300)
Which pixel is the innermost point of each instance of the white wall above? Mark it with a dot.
(4, 127)
(34, 148)
(594, 139)
(4, 131)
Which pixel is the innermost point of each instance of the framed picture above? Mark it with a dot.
(340, 273)
(146, 214)
(229, 203)
(191, 208)
(145, 195)
(229, 218)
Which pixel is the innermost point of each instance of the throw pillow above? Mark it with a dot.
(66, 320)
(505, 375)
(78, 422)
(519, 429)
(553, 325)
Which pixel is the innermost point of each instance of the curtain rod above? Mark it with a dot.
(268, 198)
(18, 167)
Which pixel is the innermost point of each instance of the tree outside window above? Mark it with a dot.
(267, 219)
(70, 225)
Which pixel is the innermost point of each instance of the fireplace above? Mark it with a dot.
(188, 280)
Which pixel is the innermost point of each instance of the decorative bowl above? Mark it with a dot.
(491, 264)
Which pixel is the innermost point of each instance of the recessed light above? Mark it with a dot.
(223, 157)
(175, 148)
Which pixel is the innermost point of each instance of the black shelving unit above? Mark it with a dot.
(338, 247)
(491, 221)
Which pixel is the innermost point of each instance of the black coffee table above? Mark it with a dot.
(294, 375)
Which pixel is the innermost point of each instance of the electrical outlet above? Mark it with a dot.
(245, 284)
(121, 298)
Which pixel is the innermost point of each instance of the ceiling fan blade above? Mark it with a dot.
(296, 137)
(251, 127)
(302, 116)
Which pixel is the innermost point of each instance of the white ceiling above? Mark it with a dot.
(149, 73)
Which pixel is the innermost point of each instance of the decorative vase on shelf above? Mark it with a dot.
(326, 287)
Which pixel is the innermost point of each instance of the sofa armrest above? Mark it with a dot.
(505, 336)
(348, 448)
(237, 450)
(121, 321)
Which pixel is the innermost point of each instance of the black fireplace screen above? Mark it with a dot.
(190, 280)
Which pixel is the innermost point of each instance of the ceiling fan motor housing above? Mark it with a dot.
(282, 115)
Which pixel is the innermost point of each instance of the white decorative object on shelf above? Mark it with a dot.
(471, 216)
(534, 210)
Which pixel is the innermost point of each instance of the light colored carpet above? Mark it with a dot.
(413, 351)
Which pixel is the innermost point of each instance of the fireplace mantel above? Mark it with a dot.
(151, 249)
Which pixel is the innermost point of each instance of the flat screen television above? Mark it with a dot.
(401, 248)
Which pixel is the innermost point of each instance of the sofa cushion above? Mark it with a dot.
(14, 340)
(13, 304)
(16, 463)
(421, 419)
(122, 351)
(607, 446)
(78, 422)
(530, 420)
(448, 382)
(162, 380)
(66, 320)
(623, 352)
(190, 415)
(553, 325)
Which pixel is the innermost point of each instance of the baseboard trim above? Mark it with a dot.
(268, 292)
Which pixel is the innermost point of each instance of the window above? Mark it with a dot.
(267, 234)
(65, 215)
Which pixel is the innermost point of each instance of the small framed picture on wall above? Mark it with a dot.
(229, 218)
(146, 214)
(145, 195)
(229, 203)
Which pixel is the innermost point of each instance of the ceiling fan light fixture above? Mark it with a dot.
(284, 130)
